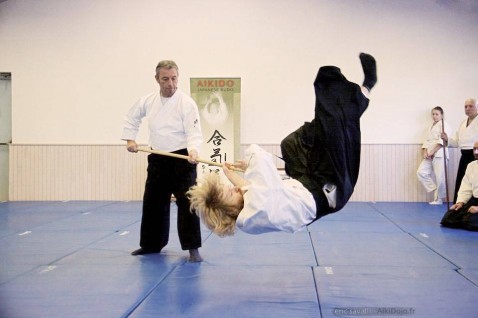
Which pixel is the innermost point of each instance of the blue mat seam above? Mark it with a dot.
(462, 275)
(82, 247)
(142, 299)
(313, 249)
(316, 291)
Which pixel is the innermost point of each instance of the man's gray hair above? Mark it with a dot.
(167, 64)
(471, 101)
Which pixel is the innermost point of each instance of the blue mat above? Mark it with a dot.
(458, 246)
(268, 249)
(233, 291)
(79, 290)
(374, 249)
(418, 291)
(23, 216)
(471, 274)
(72, 259)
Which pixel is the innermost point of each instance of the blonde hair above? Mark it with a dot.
(207, 201)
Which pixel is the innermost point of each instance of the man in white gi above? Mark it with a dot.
(464, 138)
(174, 126)
(464, 213)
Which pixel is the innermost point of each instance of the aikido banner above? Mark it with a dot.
(219, 103)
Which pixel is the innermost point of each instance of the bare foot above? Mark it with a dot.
(194, 256)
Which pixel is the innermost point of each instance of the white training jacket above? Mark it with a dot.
(469, 183)
(270, 203)
(172, 126)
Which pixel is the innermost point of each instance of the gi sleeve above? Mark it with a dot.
(261, 166)
(260, 198)
(447, 131)
(453, 142)
(466, 187)
(133, 120)
(192, 125)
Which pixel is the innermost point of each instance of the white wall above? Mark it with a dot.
(77, 66)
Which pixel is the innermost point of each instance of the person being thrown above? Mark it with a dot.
(322, 159)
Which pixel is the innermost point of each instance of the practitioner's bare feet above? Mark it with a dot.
(194, 256)
(143, 251)
(369, 67)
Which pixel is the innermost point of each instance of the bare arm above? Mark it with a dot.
(241, 164)
(235, 179)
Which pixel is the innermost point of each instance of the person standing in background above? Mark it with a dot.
(174, 126)
(464, 138)
(431, 172)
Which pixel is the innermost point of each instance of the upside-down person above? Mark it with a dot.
(322, 159)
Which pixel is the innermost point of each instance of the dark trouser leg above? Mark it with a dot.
(189, 229)
(470, 221)
(294, 154)
(466, 157)
(302, 163)
(156, 206)
(188, 225)
(461, 219)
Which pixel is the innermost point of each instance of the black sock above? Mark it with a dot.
(369, 67)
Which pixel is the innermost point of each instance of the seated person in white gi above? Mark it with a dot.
(464, 213)
(321, 157)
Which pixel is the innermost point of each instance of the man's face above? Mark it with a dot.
(470, 109)
(168, 81)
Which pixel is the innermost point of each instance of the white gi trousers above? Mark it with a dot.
(431, 174)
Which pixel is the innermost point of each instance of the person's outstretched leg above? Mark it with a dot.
(338, 108)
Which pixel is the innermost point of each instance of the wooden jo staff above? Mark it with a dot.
(175, 155)
(444, 167)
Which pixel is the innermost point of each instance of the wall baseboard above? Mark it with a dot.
(109, 172)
